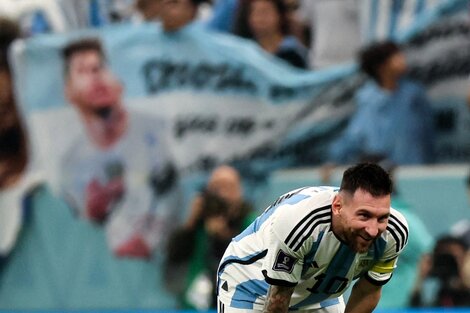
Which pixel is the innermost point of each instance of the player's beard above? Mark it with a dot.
(358, 242)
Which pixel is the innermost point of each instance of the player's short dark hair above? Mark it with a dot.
(78, 46)
(369, 177)
(374, 55)
(9, 31)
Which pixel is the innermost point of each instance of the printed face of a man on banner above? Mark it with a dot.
(90, 86)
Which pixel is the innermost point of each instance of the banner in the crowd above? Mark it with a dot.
(114, 131)
(438, 51)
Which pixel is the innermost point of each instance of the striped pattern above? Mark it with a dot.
(306, 226)
(385, 19)
(220, 307)
(398, 230)
(244, 261)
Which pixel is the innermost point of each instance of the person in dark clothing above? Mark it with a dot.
(266, 22)
(445, 266)
(194, 250)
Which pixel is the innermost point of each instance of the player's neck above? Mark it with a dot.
(337, 230)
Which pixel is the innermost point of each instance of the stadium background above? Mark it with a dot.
(69, 267)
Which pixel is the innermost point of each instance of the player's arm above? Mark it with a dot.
(364, 297)
(278, 299)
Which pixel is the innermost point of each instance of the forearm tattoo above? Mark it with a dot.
(277, 300)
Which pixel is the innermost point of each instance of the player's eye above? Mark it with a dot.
(364, 216)
(383, 219)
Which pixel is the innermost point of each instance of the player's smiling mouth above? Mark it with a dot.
(365, 239)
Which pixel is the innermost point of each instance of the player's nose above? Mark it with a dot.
(372, 229)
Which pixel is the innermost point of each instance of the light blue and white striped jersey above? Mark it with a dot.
(292, 244)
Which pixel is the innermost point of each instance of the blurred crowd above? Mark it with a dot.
(392, 123)
(298, 31)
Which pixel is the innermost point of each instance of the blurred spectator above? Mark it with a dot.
(393, 118)
(217, 214)
(445, 268)
(334, 29)
(462, 228)
(352, 23)
(17, 181)
(175, 14)
(117, 169)
(147, 10)
(224, 13)
(266, 21)
(296, 26)
(13, 152)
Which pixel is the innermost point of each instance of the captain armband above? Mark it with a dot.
(385, 267)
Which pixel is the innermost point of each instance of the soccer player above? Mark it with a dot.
(311, 243)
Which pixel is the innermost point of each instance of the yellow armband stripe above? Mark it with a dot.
(384, 267)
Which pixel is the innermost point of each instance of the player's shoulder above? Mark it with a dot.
(397, 229)
(301, 212)
(304, 200)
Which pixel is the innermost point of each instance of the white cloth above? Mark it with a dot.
(18, 9)
(71, 162)
(11, 209)
(335, 29)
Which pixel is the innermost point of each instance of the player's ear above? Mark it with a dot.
(337, 204)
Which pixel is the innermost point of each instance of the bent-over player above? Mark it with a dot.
(308, 246)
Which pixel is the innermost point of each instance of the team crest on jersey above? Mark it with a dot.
(284, 262)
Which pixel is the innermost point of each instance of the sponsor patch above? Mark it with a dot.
(284, 262)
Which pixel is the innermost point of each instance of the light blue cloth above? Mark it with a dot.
(59, 261)
(223, 15)
(397, 125)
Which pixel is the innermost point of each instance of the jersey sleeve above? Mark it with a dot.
(291, 235)
(396, 240)
(282, 265)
